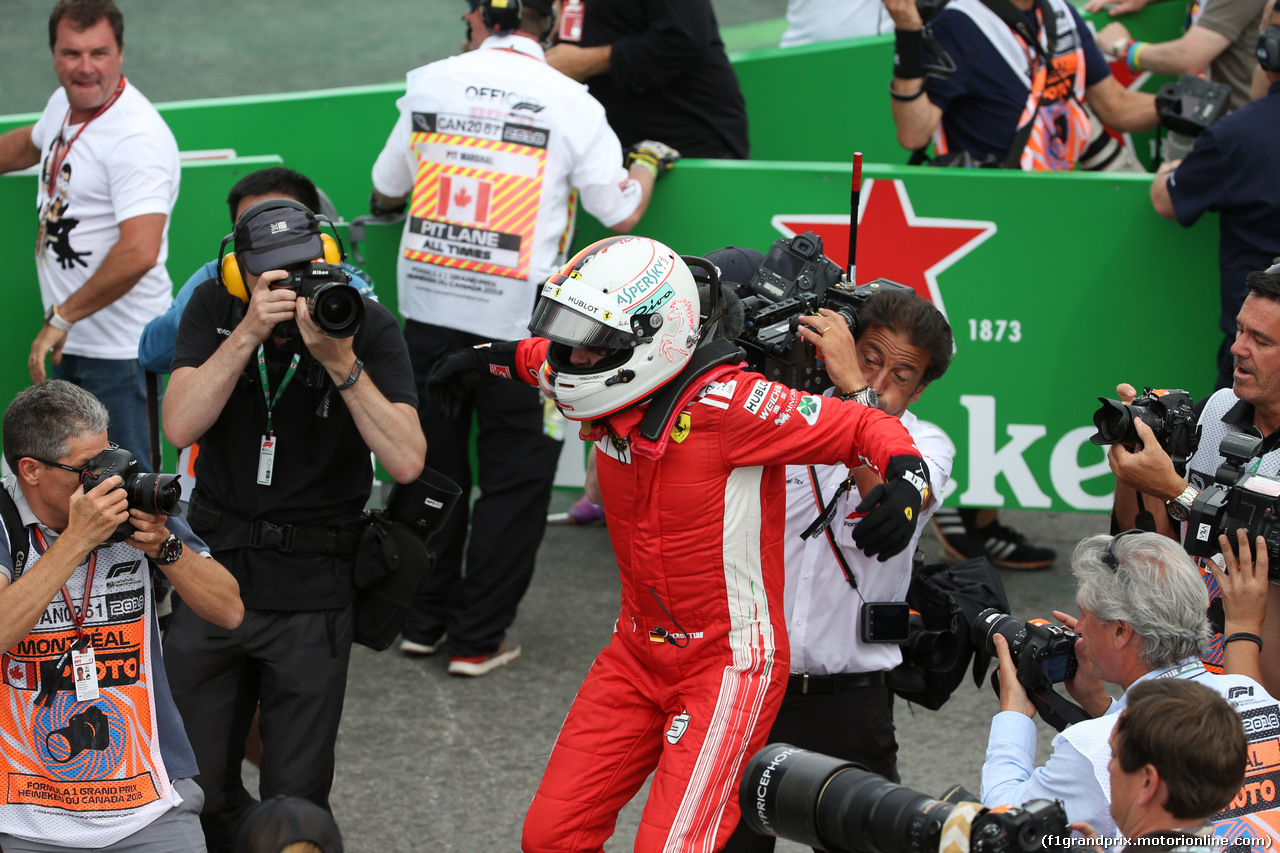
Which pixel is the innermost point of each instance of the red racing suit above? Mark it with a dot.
(688, 685)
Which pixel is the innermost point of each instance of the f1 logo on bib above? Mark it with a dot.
(464, 199)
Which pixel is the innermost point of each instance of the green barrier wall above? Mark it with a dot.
(1057, 287)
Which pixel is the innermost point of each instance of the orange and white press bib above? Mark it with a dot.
(87, 772)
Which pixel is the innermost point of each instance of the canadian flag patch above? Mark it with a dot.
(463, 199)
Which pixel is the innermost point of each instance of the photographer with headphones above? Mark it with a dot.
(490, 151)
(287, 396)
(1231, 161)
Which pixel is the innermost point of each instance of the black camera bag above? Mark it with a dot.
(392, 564)
(949, 598)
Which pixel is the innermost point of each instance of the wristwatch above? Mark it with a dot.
(1119, 46)
(170, 550)
(866, 395)
(51, 318)
(1180, 507)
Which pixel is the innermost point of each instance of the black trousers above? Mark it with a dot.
(293, 665)
(855, 724)
(517, 464)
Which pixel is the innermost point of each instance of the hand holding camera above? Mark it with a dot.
(1243, 583)
(829, 332)
(268, 307)
(94, 515)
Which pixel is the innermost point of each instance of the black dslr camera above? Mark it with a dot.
(830, 804)
(1170, 414)
(1051, 647)
(335, 305)
(1186, 107)
(797, 279)
(1238, 498)
(157, 493)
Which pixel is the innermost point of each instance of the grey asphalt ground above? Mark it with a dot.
(433, 762)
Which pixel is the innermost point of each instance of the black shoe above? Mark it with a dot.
(1009, 549)
(958, 544)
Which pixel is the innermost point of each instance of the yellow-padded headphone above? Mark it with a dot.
(230, 271)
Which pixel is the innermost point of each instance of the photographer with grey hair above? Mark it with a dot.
(95, 753)
(1142, 617)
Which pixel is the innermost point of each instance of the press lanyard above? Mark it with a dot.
(61, 149)
(266, 389)
(78, 654)
(77, 620)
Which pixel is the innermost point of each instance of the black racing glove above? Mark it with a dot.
(893, 508)
(657, 157)
(455, 377)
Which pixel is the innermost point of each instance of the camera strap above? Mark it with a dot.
(822, 524)
(1016, 21)
(1054, 708)
(19, 539)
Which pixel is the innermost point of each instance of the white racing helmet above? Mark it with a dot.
(631, 300)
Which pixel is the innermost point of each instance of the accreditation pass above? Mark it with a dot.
(85, 671)
(266, 459)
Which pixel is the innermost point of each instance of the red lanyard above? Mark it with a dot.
(76, 619)
(61, 149)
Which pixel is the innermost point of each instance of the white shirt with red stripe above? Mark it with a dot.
(494, 148)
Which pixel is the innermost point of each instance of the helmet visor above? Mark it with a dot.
(572, 328)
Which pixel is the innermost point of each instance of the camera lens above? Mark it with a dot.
(1113, 421)
(830, 804)
(934, 650)
(991, 622)
(337, 309)
(154, 492)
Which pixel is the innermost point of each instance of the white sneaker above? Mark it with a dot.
(484, 664)
(415, 649)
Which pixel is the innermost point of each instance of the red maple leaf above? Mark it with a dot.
(893, 242)
(461, 198)
(16, 672)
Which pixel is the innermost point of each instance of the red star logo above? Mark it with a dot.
(893, 242)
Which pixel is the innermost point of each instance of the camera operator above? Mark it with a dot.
(838, 701)
(1142, 618)
(1003, 105)
(1251, 404)
(78, 723)
(1178, 753)
(286, 416)
(1231, 159)
(691, 451)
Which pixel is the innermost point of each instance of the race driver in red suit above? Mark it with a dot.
(691, 450)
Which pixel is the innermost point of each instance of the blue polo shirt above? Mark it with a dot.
(1234, 169)
(982, 102)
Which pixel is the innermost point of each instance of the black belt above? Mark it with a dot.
(803, 682)
(230, 531)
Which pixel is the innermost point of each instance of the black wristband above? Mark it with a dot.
(356, 369)
(1243, 635)
(898, 96)
(908, 54)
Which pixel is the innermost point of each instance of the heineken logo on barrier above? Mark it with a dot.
(893, 242)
